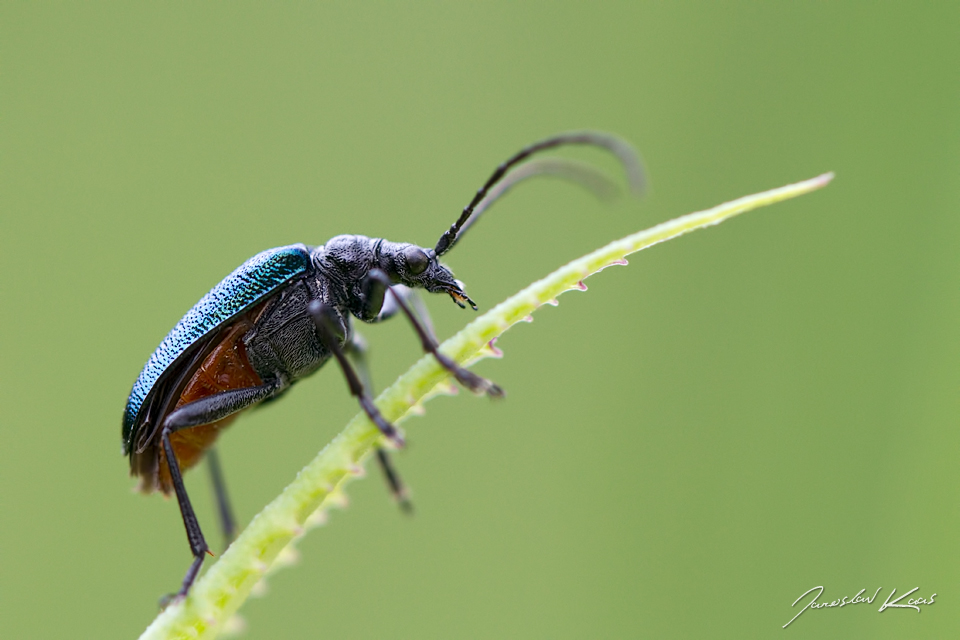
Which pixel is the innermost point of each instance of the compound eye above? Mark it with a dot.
(417, 260)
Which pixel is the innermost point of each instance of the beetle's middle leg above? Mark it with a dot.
(328, 333)
(357, 350)
(193, 414)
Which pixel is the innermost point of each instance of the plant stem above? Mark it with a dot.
(226, 585)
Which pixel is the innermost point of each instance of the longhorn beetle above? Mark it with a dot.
(286, 311)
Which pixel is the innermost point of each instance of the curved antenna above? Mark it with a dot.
(580, 173)
(620, 148)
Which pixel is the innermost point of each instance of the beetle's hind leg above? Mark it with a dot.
(198, 545)
(227, 522)
(193, 414)
(357, 350)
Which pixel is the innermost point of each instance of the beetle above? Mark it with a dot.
(286, 311)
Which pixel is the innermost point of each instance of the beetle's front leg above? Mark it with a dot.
(327, 331)
(389, 306)
(467, 378)
(377, 306)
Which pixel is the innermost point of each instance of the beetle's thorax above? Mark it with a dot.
(345, 261)
(342, 265)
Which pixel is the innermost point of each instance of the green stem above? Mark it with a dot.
(226, 585)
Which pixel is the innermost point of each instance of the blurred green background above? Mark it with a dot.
(737, 417)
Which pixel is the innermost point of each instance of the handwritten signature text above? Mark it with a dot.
(889, 603)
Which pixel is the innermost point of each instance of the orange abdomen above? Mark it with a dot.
(226, 368)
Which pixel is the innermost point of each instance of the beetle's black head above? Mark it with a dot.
(419, 267)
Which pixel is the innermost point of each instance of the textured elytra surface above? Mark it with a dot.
(225, 368)
(255, 279)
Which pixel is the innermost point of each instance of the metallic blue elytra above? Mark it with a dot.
(255, 279)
